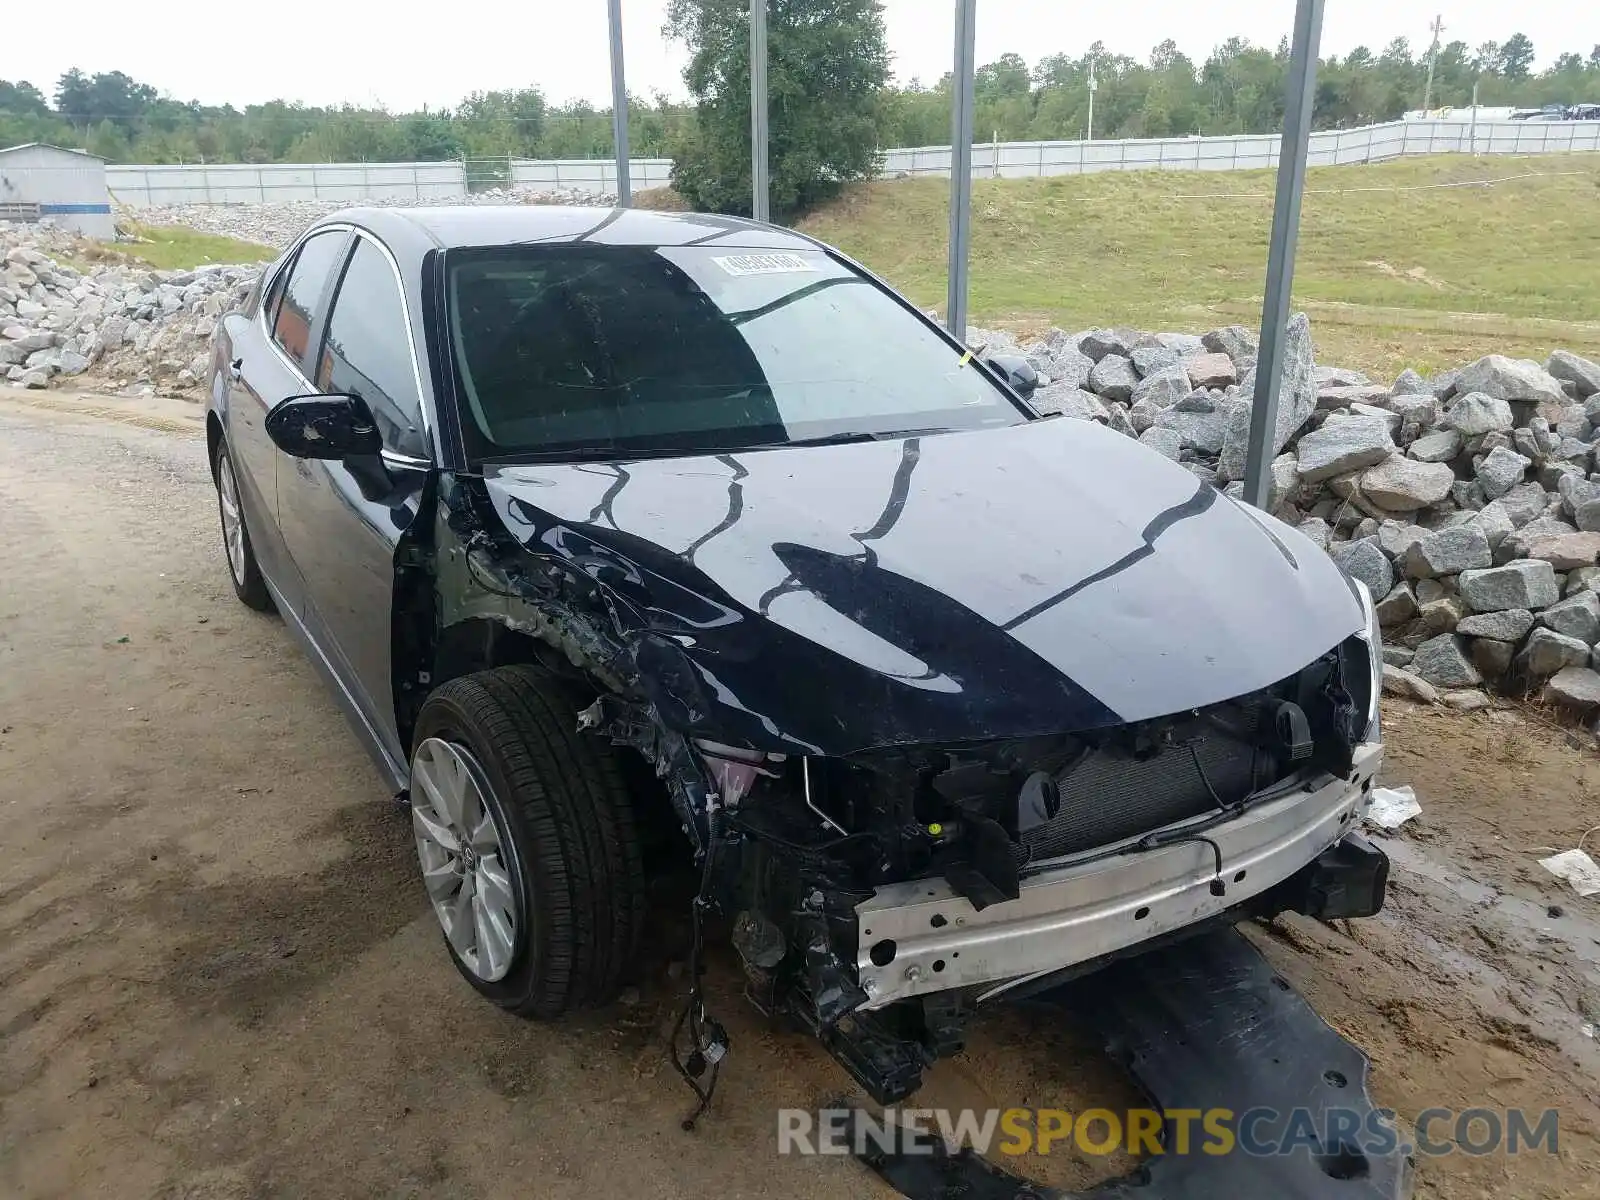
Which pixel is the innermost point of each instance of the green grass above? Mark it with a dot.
(174, 248)
(1427, 277)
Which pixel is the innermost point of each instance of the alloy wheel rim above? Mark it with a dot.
(232, 520)
(469, 876)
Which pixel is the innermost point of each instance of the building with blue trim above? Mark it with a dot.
(68, 186)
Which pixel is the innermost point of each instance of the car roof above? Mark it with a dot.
(418, 230)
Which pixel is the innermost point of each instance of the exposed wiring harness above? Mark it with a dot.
(708, 1040)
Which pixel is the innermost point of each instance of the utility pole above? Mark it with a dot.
(1292, 152)
(1433, 54)
(619, 107)
(955, 312)
(1089, 137)
(1472, 130)
(760, 192)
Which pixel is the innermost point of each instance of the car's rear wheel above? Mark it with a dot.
(243, 569)
(526, 838)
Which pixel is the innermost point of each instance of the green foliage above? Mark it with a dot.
(831, 107)
(827, 66)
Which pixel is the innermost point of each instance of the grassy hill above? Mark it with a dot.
(1415, 263)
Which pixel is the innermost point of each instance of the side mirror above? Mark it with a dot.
(332, 426)
(1019, 373)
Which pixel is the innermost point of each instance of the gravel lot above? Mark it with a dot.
(218, 977)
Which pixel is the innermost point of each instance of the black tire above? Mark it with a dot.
(247, 582)
(560, 800)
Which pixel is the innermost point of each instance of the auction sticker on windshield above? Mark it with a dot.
(762, 264)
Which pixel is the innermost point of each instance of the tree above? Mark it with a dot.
(1516, 57)
(827, 64)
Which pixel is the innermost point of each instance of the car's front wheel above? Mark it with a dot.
(527, 842)
(243, 570)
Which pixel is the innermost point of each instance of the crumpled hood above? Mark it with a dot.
(1041, 578)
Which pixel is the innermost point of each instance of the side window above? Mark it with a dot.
(367, 350)
(319, 258)
(269, 305)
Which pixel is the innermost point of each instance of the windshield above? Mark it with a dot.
(624, 349)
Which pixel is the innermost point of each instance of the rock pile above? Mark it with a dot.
(126, 324)
(1468, 503)
(276, 224)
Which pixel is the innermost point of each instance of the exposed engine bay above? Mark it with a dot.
(798, 849)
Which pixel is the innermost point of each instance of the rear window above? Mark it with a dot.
(694, 348)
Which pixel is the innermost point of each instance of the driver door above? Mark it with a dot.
(343, 520)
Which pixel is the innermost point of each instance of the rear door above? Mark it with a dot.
(268, 366)
(342, 520)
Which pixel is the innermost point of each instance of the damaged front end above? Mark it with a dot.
(878, 898)
(916, 780)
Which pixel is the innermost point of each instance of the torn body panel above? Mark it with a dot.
(1057, 733)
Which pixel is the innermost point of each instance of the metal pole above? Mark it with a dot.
(619, 107)
(1280, 254)
(1472, 129)
(961, 166)
(1089, 134)
(1433, 53)
(760, 190)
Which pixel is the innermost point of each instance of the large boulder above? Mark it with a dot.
(1448, 552)
(1583, 374)
(1501, 470)
(1150, 356)
(1331, 396)
(1212, 370)
(1071, 401)
(1398, 607)
(1409, 383)
(1507, 625)
(1114, 377)
(1493, 657)
(1363, 560)
(1443, 662)
(1524, 503)
(1165, 442)
(1098, 343)
(1563, 551)
(1402, 484)
(1576, 617)
(1067, 365)
(1521, 584)
(1495, 522)
(1547, 652)
(1343, 444)
(1203, 432)
(1398, 682)
(1510, 379)
(1162, 388)
(1237, 342)
(1297, 398)
(1476, 414)
(1575, 687)
(1438, 447)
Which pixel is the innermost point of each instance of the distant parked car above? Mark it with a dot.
(947, 699)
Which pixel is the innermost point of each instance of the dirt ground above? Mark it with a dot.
(219, 979)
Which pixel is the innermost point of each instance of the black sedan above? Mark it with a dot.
(938, 698)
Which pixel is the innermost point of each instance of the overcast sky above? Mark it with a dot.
(406, 55)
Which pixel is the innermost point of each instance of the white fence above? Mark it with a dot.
(140, 186)
(1242, 152)
(249, 183)
(589, 174)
